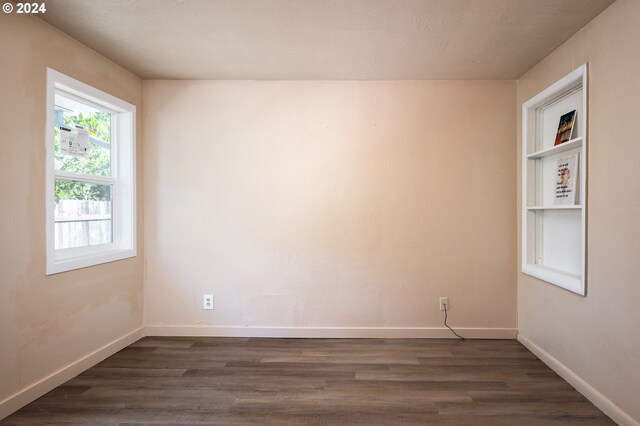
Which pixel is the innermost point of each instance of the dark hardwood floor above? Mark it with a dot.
(316, 381)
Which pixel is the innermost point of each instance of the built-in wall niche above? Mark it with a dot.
(554, 176)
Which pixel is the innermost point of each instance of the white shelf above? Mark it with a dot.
(559, 207)
(573, 143)
(554, 236)
(566, 280)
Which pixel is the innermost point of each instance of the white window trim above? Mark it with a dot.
(123, 179)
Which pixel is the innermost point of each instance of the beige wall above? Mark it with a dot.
(330, 204)
(47, 323)
(598, 337)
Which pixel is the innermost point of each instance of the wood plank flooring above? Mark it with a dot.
(315, 381)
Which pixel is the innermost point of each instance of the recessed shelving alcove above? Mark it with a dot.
(554, 235)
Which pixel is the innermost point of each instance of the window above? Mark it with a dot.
(90, 170)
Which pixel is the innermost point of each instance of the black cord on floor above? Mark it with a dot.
(445, 323)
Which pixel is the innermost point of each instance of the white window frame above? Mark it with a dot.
(122, 179)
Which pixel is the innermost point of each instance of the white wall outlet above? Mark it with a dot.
(207, 302)
(444, 303)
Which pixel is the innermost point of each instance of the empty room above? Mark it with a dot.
(317, 212)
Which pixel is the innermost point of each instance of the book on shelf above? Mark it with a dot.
(565, 127)
(566, 180)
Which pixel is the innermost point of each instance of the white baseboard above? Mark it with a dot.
(591, 393)
(36, 390)
(331, 332)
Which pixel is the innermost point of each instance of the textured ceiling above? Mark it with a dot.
(324, 39)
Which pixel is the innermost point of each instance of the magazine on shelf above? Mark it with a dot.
(566, 179)
(565, 127)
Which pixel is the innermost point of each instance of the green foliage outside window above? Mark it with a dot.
(98, 163)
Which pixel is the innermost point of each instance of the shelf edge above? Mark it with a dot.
(566, 280)
(560, 207)
(573, 143)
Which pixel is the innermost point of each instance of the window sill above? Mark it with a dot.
(64, 263)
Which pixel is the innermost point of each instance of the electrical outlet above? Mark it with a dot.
(207, 302)
(444, 303)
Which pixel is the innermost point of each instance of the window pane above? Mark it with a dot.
(83, 214)
(71, 114)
